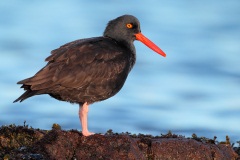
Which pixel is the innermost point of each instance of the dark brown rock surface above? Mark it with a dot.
(22, 142)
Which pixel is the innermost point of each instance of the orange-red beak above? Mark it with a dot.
(150, 44)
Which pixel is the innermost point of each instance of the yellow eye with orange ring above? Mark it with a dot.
(129, 25)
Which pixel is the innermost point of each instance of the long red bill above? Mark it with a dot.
(150, 44)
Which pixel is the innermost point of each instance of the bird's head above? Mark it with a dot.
(126, 29)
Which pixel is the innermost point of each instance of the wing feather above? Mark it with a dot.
(81, 63)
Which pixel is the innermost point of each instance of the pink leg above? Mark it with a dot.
(83, 113)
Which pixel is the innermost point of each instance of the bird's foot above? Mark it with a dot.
(87, 133)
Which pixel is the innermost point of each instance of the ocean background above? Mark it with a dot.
(195, 89)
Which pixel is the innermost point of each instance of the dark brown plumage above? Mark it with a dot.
(89, 70)
(76, 74)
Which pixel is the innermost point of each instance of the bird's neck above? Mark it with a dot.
(129, 48)
(131, 52)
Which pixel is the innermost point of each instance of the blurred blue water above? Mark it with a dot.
(195, 89)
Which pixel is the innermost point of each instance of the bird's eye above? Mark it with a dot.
(129, 25)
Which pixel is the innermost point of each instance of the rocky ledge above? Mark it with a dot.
(23, 142)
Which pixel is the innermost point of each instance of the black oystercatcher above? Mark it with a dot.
(89, 70)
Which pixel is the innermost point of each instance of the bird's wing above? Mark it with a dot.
(79, 63)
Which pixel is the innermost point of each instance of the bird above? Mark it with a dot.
(90, 70)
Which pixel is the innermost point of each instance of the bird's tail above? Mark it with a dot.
(28, 93)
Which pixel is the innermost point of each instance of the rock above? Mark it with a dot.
(59, 144)
(22, 142)
(182, 148)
